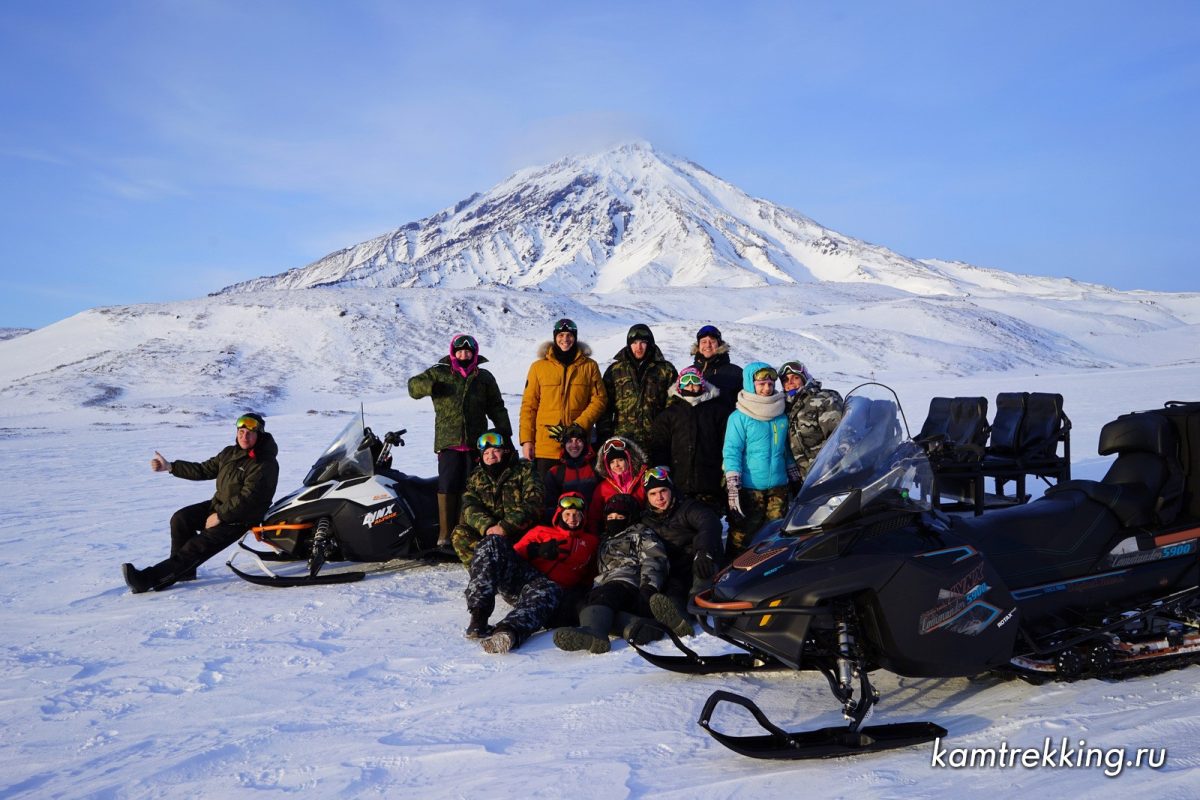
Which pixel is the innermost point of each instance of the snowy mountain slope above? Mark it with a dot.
(631, 217)
(223, 689)
(312, 349)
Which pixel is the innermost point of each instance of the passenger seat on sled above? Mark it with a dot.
(1061, 535)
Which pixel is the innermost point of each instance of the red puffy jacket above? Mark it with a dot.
(577, 566)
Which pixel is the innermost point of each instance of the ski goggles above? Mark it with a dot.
(690, 379)
(794, 368)
(616, 447)
(249, 423)
(490, 439)
(571, 501)
(565, 325)
(766, 374)
(656, 474)
(465, 342)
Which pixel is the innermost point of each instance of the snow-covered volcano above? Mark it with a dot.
(630, 217)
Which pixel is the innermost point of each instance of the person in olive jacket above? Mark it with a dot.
(246, 474)
(465, 396)
(503, 498)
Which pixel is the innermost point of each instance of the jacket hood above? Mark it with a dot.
(475, 362)
(652, 354)
(637, 458)
(265, 448)
(722, 349)
(581, 350)
(748, 374)
(674, 395)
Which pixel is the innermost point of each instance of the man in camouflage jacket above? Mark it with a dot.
(813, 413)
(637, 382)
(503, 497)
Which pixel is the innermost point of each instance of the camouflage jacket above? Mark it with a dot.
(636, 396)
(514, 499)
(461, 404)
(635, 555)
(812, 415)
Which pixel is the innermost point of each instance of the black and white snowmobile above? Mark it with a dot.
(1095, 579)
(352, 507)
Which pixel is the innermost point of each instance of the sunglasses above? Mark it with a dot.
(656, 473)
(690, 379)
(571, 501)
(249, 423)
(490, 439)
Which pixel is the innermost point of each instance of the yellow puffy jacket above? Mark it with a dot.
(560, 395)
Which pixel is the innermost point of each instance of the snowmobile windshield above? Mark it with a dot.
(349, 456)
(868, 458)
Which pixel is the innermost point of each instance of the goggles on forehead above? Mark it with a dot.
(690, 379)
(465, 342)
(565, 326)
(794, 368)
(571, 501)
(490, 439)
(765, 375)
(656, 473)
(249, 423)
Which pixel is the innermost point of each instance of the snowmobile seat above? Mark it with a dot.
(937, 422)
(1006, 427)
(1057, 537)
(1145, 483)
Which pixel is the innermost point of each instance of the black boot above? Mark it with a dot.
(667, 611)
(145, 580)
(637, 630)
(592, 633)
(478, 627)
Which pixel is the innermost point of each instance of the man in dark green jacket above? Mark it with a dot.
(503, 498)
(246, 474)
(465, 397)
(637, 382)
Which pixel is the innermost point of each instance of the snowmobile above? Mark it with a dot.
(351, 507)
(1094, 579)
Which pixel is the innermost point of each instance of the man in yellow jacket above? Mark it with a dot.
(563, 388)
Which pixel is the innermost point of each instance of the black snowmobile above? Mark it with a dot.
(1095, 579)
(352, 507)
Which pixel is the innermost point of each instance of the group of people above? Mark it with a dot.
(602, 512)
(603, 508)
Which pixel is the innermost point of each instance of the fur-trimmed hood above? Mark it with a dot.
(637, 458)
(722, 349)
(582, 350)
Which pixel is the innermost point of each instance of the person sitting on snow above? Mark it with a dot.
(536, 576)
(503, 497)
(246, 473)
(631, 568)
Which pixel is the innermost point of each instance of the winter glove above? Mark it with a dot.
(552, 549)
(793, 473)
(556, 432)
(733, 485)
(703, 566)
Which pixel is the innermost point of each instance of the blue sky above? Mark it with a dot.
(160, 150)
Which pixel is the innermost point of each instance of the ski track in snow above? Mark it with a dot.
(223, 689)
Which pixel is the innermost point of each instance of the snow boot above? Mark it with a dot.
(637, 630)
(478, 627)
(667, 611)
(501, 641)
(449, 507)
(144, 580)
(592, 633)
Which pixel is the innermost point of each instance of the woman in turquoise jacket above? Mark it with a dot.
(758, 462)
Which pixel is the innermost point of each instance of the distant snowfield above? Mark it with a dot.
(224, 689)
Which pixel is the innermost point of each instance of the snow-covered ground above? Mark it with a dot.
(224, 689)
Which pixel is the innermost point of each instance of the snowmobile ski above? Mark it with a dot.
(832, 742)
(693, 663)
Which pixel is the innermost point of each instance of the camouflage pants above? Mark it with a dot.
(496, 569)
(759, 506)
(465, 539)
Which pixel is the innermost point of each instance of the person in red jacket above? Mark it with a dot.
(574, 472)
(619, 466)
(537, 576)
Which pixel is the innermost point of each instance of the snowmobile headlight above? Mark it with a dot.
(828, 507)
